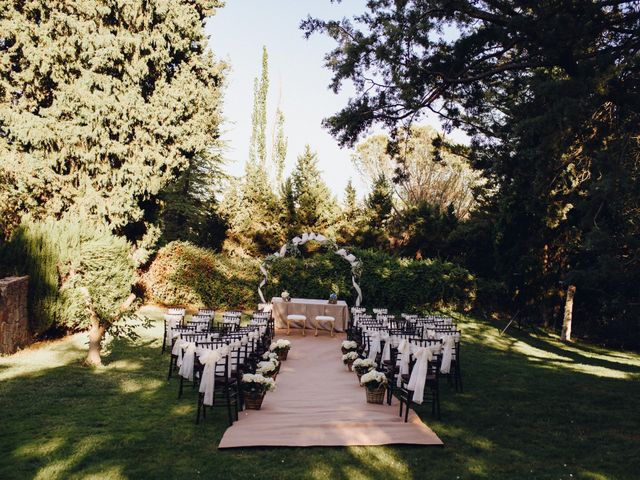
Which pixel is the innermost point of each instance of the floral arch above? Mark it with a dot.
(292, 247)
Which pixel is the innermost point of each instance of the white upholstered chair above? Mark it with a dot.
(325, 318)
(296, 317)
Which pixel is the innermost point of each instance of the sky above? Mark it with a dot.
(298, 80)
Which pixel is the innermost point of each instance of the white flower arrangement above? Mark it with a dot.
(373, 379)
(271, 357)
(256, 382)
(349, 345)
(364, 365)
(266, 368)
(285, 296)
(279, 345)
(349, 357)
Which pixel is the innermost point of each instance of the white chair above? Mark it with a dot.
(325, 318)
(296, 317)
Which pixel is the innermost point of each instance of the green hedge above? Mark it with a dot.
(183, 274)
(189, 275)
(401, 284)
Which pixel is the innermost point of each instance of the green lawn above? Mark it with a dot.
(532, 408)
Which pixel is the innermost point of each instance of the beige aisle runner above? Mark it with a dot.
(318, 402)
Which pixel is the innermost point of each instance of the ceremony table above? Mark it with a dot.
(311, 308)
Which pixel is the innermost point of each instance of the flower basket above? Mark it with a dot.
(253, 400)
(376, 384)
(255, 386)
(348, 346)
(376, 395)
(348, 359)
(281, 348)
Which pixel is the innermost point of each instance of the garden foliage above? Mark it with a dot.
(185, 274)
(74, 268)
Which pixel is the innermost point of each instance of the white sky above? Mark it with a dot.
(297, 76)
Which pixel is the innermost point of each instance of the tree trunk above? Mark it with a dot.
(565, 336)
(95, 340)
(97, 331)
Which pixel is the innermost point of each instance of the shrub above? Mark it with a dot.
(71, 265)
(183, 274)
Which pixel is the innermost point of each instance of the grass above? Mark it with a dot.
(532, 408)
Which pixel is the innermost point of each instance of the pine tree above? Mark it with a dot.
(316, 209)
(102, 104)
(351, 220)
(378, 209)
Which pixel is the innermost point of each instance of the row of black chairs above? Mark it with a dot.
(243, 355)
(412, 329)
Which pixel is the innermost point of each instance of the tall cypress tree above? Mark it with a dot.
(279, 151)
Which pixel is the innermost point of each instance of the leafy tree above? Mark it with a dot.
(548, 93)
(102, 105)
(420, 174)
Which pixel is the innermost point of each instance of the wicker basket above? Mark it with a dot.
(253, 401)
(282, 354)
(377, 395)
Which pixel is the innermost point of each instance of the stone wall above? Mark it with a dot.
(14, 326)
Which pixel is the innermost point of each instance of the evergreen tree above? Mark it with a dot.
(279, 150)
(377, 212)
(350, 200)
(351, 220)
(252, 206)
(316, 209)
(102, 104)
(189, 205)
(548, 93)
(258, 141)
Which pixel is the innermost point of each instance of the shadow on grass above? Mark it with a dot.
(516, 419)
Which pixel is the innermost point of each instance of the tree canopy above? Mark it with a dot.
(102, 105)
(548, 93)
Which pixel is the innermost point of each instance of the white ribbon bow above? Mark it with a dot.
(186, 369)
(447, 353)
(374, 345)
(177, 350)
(208, 382)
(404, 352)
(418, 377)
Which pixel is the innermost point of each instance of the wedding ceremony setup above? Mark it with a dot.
(320, 400)
(399, 361)
(319, 240)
